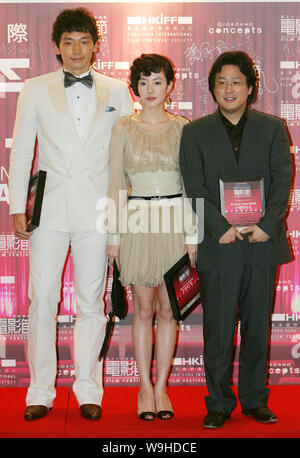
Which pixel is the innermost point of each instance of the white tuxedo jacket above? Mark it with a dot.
(77, 168)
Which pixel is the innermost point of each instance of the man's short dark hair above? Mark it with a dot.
(246, 65)
(147, 64)
(74, 20)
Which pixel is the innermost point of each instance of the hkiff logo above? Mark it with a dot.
(161, 19)
(289, 65)
(102, 65)
(172, 105)
(189, 361)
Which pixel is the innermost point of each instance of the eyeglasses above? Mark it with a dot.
(234, 84)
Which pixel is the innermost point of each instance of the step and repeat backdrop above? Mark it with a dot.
(193, 35)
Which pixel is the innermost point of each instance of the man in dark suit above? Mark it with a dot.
(237, 268)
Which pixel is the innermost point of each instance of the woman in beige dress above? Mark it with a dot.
(144, 166)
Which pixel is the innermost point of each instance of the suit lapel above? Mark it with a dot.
(58, 97)
(102, 95)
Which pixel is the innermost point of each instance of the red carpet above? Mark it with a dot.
(119, 419)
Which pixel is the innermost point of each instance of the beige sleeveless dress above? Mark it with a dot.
(151, 233)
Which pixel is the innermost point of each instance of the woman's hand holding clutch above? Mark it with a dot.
(192, 252)
(112, 252)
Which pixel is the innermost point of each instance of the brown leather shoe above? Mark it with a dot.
(34, 412)
(91, 411)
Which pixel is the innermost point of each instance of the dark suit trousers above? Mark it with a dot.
(246, 293)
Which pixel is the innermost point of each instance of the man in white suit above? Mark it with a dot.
(71, 112)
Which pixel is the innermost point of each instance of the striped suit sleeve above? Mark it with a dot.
(278, 192)
(193, 177)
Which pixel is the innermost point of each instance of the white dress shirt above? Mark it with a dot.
(82, 102)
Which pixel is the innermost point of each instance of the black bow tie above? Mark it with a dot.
(71, 79)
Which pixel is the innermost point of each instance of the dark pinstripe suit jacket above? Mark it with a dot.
(206, 155)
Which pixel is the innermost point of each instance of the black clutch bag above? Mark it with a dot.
(118, 307)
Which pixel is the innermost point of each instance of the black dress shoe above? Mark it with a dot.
(215, 419)
(262, 414)
(91, 411)
(34, 412)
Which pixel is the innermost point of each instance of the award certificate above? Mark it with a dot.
(242, 202)
(34, 199)
(182, 284)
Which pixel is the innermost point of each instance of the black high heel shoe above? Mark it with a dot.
(147, 416)
(165, 414)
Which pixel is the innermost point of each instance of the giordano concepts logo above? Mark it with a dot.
(235, 28)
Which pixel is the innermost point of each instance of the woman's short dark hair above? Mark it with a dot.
(74, 20)
(246, 66)
(147, 64)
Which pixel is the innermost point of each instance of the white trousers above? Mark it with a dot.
(47, 258)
